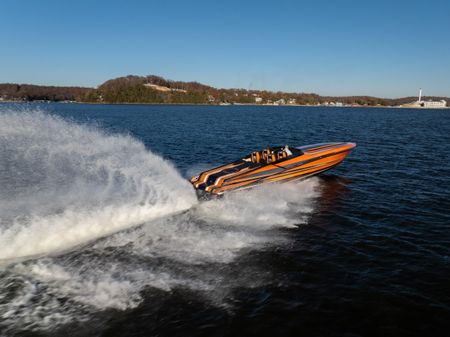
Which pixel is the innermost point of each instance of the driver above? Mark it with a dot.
(288, 152)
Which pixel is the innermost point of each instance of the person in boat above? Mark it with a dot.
(269, 156)
(288, 152)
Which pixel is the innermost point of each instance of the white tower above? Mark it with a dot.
(420, 95)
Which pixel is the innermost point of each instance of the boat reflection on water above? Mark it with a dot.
(334, 190)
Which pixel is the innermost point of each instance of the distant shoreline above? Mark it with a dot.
(230, 105)
(156, 90)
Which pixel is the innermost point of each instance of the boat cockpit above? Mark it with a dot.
(272, 155)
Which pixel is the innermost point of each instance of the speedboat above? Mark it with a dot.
(274, 164)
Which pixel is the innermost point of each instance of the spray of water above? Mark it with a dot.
(66, 184)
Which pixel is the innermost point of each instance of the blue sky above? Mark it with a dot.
(347, 47)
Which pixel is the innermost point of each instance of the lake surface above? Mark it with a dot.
(100, 233)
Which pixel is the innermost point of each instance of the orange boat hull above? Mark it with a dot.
(303, 162)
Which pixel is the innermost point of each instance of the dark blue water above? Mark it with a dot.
(361, 251)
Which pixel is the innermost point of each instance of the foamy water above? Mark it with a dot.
(116, 210)
(65, 184)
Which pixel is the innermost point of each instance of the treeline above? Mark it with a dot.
(155, 89)
(28, 92)
(133, 89)
(132, 80)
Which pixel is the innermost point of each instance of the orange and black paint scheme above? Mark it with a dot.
(274, 164)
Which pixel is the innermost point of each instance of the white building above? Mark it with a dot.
(426, 104)
(280, 102)
(258, 99)
(431, 104)
(434, 104)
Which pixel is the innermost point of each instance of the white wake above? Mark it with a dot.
(64, 184)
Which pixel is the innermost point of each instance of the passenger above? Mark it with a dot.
(254, 158)
(288, 152)
(265, 155)
(272, 157)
